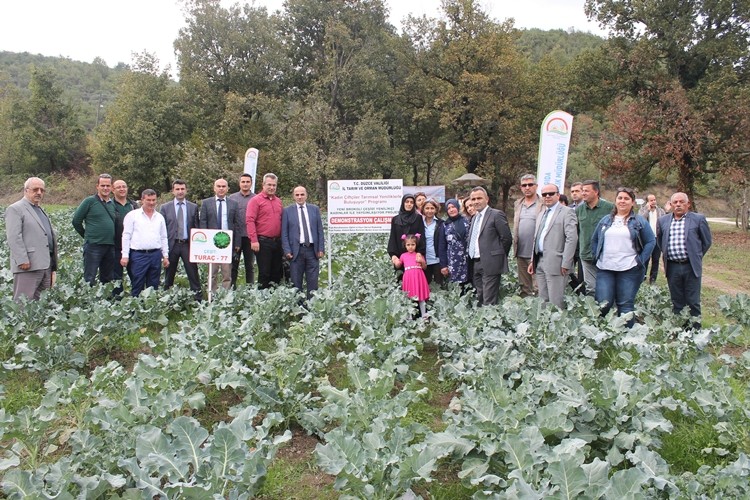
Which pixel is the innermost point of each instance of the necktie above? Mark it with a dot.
(474, 235)
(181, 221)
(539, 242)
(305, 231)
(220, 221)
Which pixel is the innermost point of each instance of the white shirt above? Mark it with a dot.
(141, 232)
(184, 217)
(479, 230)
(223, 224)
(617, 253)
(547, 223)
(307, 221)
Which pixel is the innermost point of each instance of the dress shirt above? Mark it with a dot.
(223, 224)
(185, 235)
(307, 224)
(474, 243)
(264, 217)
(545, 229)
(141, 232)
(677, 246)
(242, 201)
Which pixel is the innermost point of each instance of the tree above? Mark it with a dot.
(676, 59)
(45, 130)
(144, 127)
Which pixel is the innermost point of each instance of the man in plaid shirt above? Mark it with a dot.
(684, 238)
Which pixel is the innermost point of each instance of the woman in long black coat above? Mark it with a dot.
(408, 221)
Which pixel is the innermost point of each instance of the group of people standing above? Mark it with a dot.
(120, 236)
(611, 244)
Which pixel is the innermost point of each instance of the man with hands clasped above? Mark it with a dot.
(302, 240)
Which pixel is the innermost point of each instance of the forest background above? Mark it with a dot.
(328, 89)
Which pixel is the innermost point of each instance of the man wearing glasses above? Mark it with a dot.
(33, 248)
(525, 214)
(555, 243)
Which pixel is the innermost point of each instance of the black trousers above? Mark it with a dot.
(246, 254)
(268, 258)
(180, 251)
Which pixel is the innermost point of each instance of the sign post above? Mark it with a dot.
(361, 206)
(210, 246)
(554, 141)
(251, 165)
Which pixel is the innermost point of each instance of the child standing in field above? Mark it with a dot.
(415, 281)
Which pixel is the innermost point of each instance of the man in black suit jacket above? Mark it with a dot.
(178, 235)
(209, 219)
(302, 240)
(684, 238)
(489, 244)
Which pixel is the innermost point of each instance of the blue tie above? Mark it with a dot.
(474, 235)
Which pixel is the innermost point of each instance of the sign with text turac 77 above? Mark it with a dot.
(363, 205)
(211, 246)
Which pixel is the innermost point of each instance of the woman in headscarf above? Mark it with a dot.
(408, 221)
(454, 262)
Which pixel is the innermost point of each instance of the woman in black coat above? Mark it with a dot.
(408, 221)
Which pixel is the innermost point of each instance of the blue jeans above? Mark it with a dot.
(619, 288)
(100, 258)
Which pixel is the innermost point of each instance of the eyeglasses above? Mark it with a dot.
(549, 194)
(527, 185)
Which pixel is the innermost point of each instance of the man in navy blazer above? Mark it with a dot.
(684, 237)
(489, 244)
(230, 220)
(302, 240)
(178, 236)
(32, 243)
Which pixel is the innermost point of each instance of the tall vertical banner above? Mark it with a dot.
(554, 141)
(251, 165)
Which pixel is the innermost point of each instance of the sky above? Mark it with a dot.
(115, 29)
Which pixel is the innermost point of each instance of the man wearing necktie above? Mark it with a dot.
(302, 240)
(221, 212)
(490, 240)
(555, 242)
(181, 216)
(32, 243)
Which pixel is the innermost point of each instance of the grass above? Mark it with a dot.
(22, 389)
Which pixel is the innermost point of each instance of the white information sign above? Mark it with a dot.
(211, 246)
(554, 141)
(363, 206)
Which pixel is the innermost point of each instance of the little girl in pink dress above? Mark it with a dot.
(414, 282)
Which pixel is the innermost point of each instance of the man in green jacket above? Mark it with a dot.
(95, 220)
(589, 213)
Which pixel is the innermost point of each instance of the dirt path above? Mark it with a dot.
(725, 288)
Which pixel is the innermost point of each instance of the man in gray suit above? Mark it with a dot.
(490, 240)
(302, 240)
(33, 247)
(221, 212)
(555, 243)
(181, 216)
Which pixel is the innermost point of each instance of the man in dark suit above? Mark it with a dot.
(32, 243)
(220, 212)
(302, 240)
(181, 216)
(684, 238)
(554, 249)
(490, 241)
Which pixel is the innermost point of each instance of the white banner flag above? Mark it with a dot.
(554, 141)
(251, 165)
